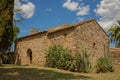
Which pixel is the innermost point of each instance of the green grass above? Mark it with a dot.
(12, 72)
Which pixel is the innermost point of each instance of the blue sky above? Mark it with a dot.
(44, 14)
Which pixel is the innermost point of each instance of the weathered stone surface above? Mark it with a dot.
(115, 54)
(87, 34)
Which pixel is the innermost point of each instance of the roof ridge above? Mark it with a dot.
(60, 28)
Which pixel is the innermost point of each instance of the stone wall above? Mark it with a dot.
(64, 37)
(91, 37)
(37, 44)
(40, 42)
(115, 53)
(77, 37)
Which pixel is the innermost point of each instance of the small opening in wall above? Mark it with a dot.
(29, 54)
(94, 45)
(65, 34)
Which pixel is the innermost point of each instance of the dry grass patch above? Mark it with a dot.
(12, 72)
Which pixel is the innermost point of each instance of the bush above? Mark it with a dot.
(82, 62)
(8, 58)
(104, 64)
(59, 57)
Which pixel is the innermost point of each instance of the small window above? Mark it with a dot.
(65, 34)
(93, 45)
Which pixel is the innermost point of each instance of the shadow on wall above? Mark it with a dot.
(18, 60)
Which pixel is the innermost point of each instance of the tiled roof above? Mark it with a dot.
(62, 27)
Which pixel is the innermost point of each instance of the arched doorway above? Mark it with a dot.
(29, 54)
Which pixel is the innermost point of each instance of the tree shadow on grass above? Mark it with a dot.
(37, 74)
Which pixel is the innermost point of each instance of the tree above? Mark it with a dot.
(114, 34)
(15, 32)
(6, 25)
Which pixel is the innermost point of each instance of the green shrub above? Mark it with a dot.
(8, 58)
(82, 62)
(104, 64)
(58, 57)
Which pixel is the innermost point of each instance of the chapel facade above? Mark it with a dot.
(87, 35)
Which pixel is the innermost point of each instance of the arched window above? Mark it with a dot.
(29, 54)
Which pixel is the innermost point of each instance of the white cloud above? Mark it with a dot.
(26, 9)
(83, 10)
(80, 9)
(109, 12)
(17, 4)
(48, 9)
(71, 5)
(80, 19)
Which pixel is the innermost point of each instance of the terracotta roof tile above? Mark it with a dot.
(57, 28)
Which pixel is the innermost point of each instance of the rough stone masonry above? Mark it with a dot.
(87, 35)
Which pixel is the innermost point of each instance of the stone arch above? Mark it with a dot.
(29, 54)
